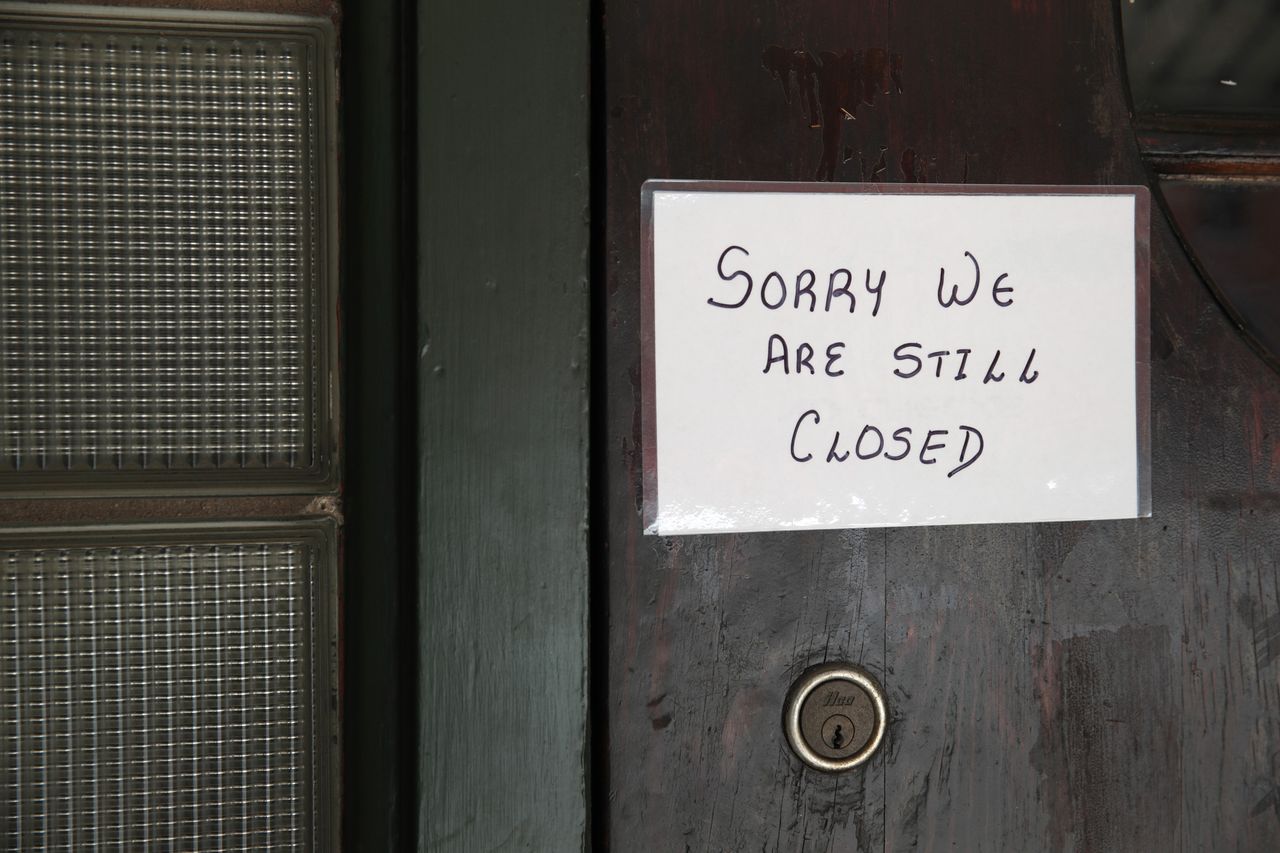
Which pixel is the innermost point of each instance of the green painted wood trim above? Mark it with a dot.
(503, 143)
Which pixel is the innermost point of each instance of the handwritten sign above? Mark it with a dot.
(827, 356)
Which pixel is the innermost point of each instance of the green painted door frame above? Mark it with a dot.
(466, 310)
(503, 292)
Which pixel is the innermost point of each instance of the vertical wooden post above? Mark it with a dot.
(503, 381)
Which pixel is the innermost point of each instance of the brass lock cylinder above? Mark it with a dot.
(834, 717)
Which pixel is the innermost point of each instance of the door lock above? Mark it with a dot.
(834, 717)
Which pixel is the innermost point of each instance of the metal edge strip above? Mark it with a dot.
(648, 366)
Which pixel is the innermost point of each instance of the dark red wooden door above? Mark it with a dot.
(1109, 685)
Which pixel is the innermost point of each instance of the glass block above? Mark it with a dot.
(163, 690)
(166, 257)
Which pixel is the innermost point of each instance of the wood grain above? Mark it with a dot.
(502, 188)
(1089, 686)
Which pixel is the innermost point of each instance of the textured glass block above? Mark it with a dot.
(164, 252)
(161, 695)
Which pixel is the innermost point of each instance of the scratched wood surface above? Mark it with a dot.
(1086, 686)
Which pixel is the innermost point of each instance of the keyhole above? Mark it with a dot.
(837, 732)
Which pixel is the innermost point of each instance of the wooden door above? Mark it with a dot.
(1107, 685)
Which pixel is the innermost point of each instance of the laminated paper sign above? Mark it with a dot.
(827, 356)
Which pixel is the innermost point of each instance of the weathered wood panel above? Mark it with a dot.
(503, 298)
(1087, 686)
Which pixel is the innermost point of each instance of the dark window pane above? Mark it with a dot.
(1231, 228)
(1203, 55)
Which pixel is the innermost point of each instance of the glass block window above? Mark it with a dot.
(164, 246)
(160, 696)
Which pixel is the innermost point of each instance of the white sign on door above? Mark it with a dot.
(829, 356)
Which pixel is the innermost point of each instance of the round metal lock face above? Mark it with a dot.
(835, 717)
